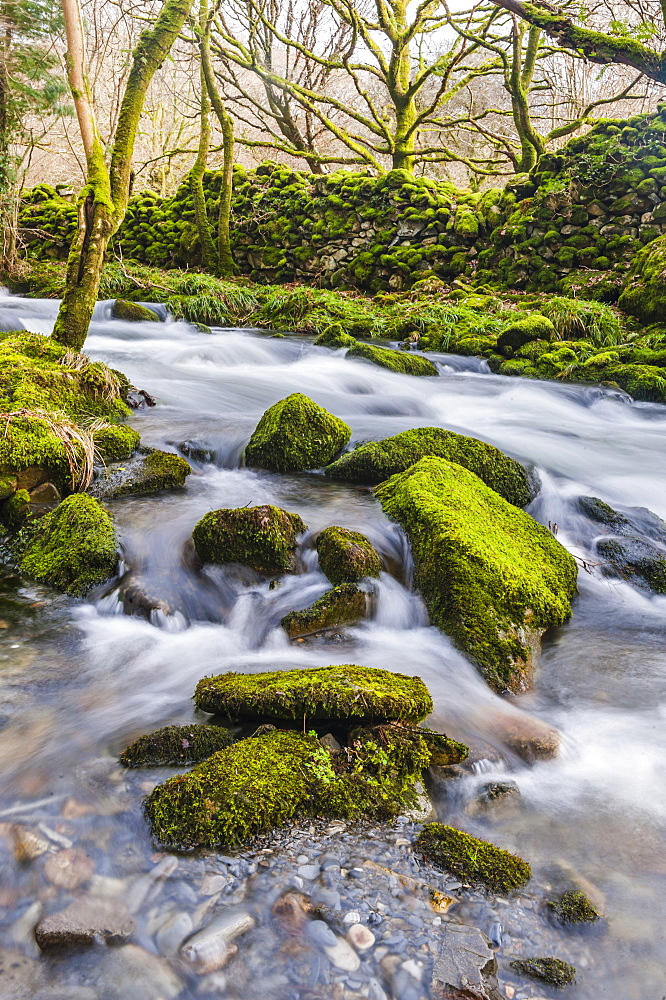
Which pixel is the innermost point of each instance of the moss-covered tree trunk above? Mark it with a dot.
(399, 82)
(225, 260)
(103, 200)
(208, 250)
(520, 80)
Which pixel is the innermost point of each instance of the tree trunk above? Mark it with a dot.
(208, 251)
(522, 72)
(399, 82)
(103, 201)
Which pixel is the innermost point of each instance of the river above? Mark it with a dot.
(79, 680)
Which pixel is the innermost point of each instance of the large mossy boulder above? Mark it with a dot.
(491, 577)
(347, 556)
(264, 781)
(337, 692)
(74, 547)
(532, 327)
(344, 605)
(472, 860)
(377, 461)
(294, 435)
(175, 746)
(396, 361)
(133, 312)
(644, 293)
(263, 538)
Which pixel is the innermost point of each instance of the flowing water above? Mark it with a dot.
(79, 680)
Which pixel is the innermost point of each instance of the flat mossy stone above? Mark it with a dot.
(294, 435)
(396, 361)
(263, 782)
(491, 577)
(263, 538)
(175, 746)
(573, 907)
(548, 970)
(133, 312)
(116, 442)
(72, 548)
(472, 860)
(344, 605)
(377, 461)
(347, 556)
(158, 470)
(336, 692)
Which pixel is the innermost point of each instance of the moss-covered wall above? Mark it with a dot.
(575, 222)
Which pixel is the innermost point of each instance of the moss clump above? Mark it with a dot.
(475, 861)
(294, 435)
(72, 548)
(116, 442)
(344, 605)
(159, 470)
(336, 692)
(395, 361)
(133, 312)
(263, 538)
(347, 556)
(16, 510)
(176, 745)
(8, 485)
(491, 577)
(375, 462)
(262, 782)
(533, 327)
(443, 750)
(573, 907)
(548, 970)
(598, 510)
(644, 294)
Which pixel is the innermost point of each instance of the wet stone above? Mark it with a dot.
(84, 920)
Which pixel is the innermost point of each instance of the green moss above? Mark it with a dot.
(346, 556)
(16, 510)
(73, 547)
(491, 577)
(573, 907)
(116, 442)
(533, 327)
(375, 462)
(8, 485)
(397, 361)
(159, 470)
(344, 605)
(263, 538)
(175, 746)
(443, 750)
(475, 861)
(294, 435)
(337, 692)
(133, 312)
(548, 970)
(644, 293)
(602, 512)
(634, 557)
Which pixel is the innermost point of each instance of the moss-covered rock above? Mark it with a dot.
(263, 538)
(636, 559)
(336, 692)
(262, 782)
(491, 577)
(548, 970)
(344, 605)
(133, 312)
(532, 327)
(444, 750)
(396, 361)
(472, 860)
(175, 746)
(74, 547)
(16, 510)
(150, 473)
(573, 907)
(294, 435)
(347, 556)
(644, 293)
(375, 462)
(116, 442)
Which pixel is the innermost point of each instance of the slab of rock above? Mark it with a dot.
(134, 972)
(84, 920)
(466, 967)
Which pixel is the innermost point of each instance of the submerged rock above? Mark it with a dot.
(294, 435)
(491, 577)
(375, 462)
(344, 605)
(74, 547)
(336, 692)
(263, 538)
(264, 781)
(573, 907)
(635, 559)
(396, 361)
(466, 966)
(176, 745)
(211, 948)
(473, 860)
(131, 971)
(549, 970)
(149, 473)
(133, 312)
(84, 920)
(347, 556)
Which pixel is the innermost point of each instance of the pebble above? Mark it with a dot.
(173, 932)
(360, 937)
(302, 859)
(308, 872)
(211, 948)
(321, 934)
(495, 935)
(352, 917)
(69, 869)
(343, 956)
